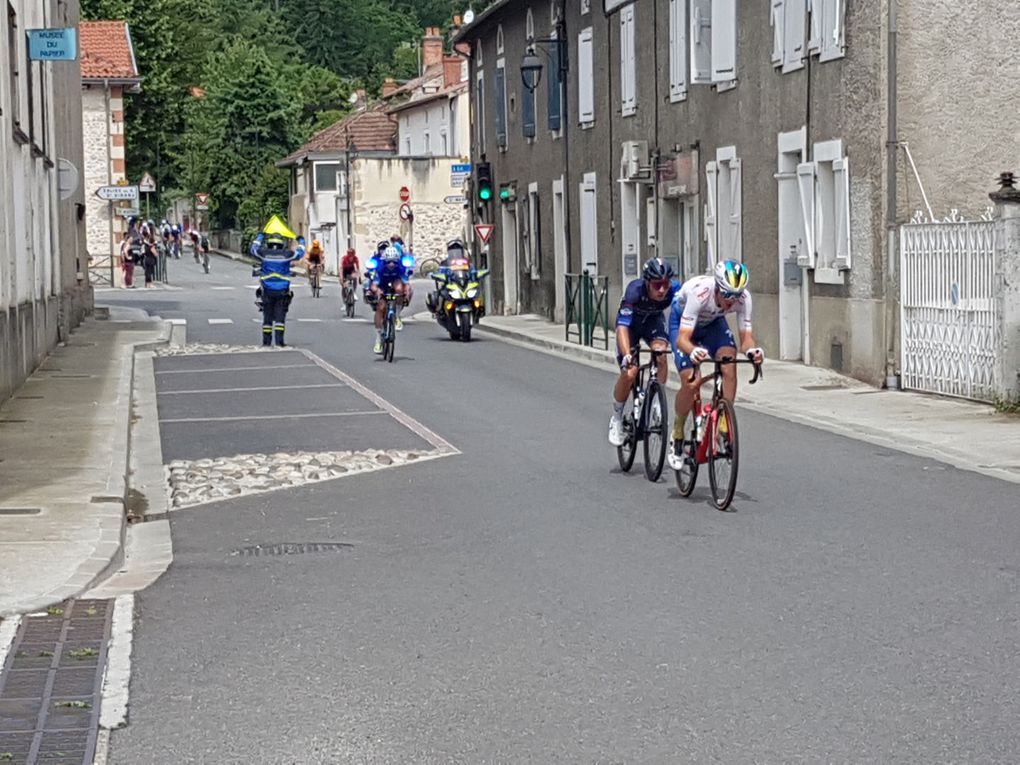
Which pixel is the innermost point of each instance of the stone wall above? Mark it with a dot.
(97, 170)
(434, 226)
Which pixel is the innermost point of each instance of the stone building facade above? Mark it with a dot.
(109, 71)
(44, 289)
(706, 129)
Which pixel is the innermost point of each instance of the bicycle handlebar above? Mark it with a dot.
(758, 374)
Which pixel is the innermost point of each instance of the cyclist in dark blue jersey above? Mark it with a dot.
(641, 318)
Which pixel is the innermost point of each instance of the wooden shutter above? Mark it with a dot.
(833, 42)
(724, 40)
(628, 71)
(712, 176)
(736, 250)
(806, 186)
(528, 113)
(793, 36)
(554, 86)
(841, 176)
(776, 19)
(677, 50)
(585, 78)
(500, 106)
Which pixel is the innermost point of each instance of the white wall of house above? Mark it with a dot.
(439, 128)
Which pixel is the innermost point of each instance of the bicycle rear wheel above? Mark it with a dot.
(625, 453)
(723, 453)
(687, 475)
(391, 337)
(656, 429)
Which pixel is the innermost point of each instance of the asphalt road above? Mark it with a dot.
(525, 602)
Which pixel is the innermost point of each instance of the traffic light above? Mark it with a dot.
(483, 181)
(508, 193)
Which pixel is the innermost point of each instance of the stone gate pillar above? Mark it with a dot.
(1007, 287)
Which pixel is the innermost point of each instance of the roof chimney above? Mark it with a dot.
(453, 71)
(431, 48)
(389, 87)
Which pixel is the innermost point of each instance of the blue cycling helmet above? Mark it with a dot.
(657, 269)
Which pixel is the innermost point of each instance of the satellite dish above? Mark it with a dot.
(353, 98)
(469, 16)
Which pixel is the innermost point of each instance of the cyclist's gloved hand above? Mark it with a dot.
(626, 361)
(699, 354)
(757, 355)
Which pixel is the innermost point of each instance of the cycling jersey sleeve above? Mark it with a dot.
(625, 316)
(675, 312)
(744, 313)
(692, 307)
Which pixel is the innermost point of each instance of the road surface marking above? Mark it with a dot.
(221, 321)
(245, 390)
(276, 416)
(226, 369)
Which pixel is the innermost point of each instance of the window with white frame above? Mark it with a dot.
(532, 232)
(407, 145)
(723, 216)
(807, 27)
(428, 144)
(585, 7)
(713, 42)
(825, 203)
(499, 40)
(628, 68)
(529, 26)
(444, 143)
(677, 50)
(585, 78)
(325, 176)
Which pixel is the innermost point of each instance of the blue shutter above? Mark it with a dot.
(528, 112)
(554, 83)
(500, 107)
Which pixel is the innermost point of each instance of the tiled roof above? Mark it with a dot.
(106, 51)
(370, 130)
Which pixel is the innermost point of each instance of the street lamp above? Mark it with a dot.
(531, 64)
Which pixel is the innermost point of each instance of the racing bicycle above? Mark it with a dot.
(647, 420)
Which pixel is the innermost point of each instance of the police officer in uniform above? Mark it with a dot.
(275, 259)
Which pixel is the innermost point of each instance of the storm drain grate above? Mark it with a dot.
(50, 684)
(293, 548)
(20, 510)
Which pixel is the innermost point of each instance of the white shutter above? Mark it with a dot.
(585, 78)
(815, 33)
(712, 176)
(628, 73)
(841, 175)
(724, 40)
(776, 19)
(677, 50)
(806, 186)
(833, 30)
(701, 42)
(793, 35)
(735, 251)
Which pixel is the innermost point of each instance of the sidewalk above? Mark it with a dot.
(64, 464)
(967, 435)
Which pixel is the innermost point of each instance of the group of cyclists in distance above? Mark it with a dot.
(697, 332)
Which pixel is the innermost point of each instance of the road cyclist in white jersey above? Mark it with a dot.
(698, 331)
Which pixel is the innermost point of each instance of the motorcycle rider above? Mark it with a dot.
(392, 276)
(456, 261)
(275, 258)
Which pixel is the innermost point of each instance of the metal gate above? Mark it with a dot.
(101, 270)
(950, 327)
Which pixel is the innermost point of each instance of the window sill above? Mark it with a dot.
(722, 87)
(587, 125)
(629, 113)
(676, 98)
(20, 136)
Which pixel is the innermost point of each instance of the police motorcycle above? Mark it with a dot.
(371, 266)
(458, 302)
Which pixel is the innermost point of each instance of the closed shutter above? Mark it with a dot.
(585, 78)
(628, 73)
(712, 176)
(841, 175)
(806, 186)
(677, 50)
(528, 113)
(735, 250)
(480, 111)
(724, 40)
(776, 19)
(554, 85)
(796, 17)
(833, 42)
(815, 26)
(500, 107)
(701, 42)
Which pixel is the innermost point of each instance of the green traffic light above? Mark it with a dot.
(485, 194)
(504, 194)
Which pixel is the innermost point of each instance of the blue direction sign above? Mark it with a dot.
(461, 169)
(53, 44)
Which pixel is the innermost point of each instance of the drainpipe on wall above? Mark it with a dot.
(892, 378)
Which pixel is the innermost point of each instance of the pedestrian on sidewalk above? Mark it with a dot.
(127, 260)
(149, 258)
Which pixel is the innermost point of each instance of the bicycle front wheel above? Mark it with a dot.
(687, 475)
(391, 338)
(723, 453)
(626, 452)
(656, 430)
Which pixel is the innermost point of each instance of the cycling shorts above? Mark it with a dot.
(713, 336)
(649, 329)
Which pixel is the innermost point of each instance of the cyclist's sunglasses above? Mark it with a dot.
(730, 295)
(660, 284)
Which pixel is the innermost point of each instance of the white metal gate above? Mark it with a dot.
(950, 330)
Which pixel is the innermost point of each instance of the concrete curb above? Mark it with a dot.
(239, 257)
(600, 357)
